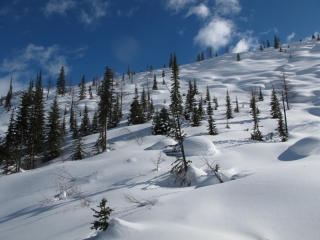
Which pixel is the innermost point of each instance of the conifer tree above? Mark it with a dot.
(163, 73)
(268, 44)
(275, 105)
(7, 104)
(216, 104)
(95, 123)
(61, 82)
(54, 134)
(281, 128)
(202, 56)
(72, 119)
(228, 107)
(198, 57)
(209, 109)
(83, 88)
(261, 98)
(161, 122)
(236, 110)
(90, 93)
(117, 112)
(238, 57)
(195, 87)
(190, 100)
(196, 117)
(163, 82)
(77, 151)
(155, 84)
(200, 109)
(176, 99)
(256, 135)
(85, 127)
(208, 98)
(102, 215)
(261, 48)
(212, 129)
(276, 42)
(143, 101)
(136, 115)
(1, 101)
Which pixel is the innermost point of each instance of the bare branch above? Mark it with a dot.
(215, 168)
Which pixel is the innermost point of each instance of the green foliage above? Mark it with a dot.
(102, 215)
(236, 110)
(155, 83)
(275, 105)
(261, 98)
(228, 107)
(161, 122)
(212, 129)
(85, 127)
(61, 82)
(256, 135)
(83, 88)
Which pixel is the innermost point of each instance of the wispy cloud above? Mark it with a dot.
(178, 5)
(216, 34)
(59, 6)
(201, 11)
(245, 44)
(289, 38)
(226, 7)
(96, 10)
(275, 30)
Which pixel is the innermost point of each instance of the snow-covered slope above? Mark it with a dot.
(272, 187)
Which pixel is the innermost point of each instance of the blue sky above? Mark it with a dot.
(85, 36)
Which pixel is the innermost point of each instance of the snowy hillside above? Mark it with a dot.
(271, 188)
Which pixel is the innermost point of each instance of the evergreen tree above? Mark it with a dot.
(276, 42)
(54, 134)
(208, 98)
(209, 109)
(176, 99)
(268, 44)
(228, 107)
(7, 104)
(90, 93)
(61, 82)
(238, 57)
(190, 100)
(117, 112)
(236, 110)
(102, 215)
(163, 73)
(77, 151)
(161, 122)
(202, 56)
(196, 117)
(83, 88)
(281, 128)
(216, 104)
(275, 105)
(95, 123)
(85, 127)
(256, 135)
(200, 109)
(212, 129)
(72, 119)
(313, 37)
(163, 82)
(136, 115)
(143, 101)
(318, 38)
(261, 48)
(198, 57)
(195, 87)
(261, 98)
(155, 84)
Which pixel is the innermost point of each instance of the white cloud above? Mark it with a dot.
(275, 30)
(289, 38)
(245, 44)
(96, 10)
(225, 7)
(202, 11)
(178, 5)
(217, 33)
(26, 63)
(59, 6)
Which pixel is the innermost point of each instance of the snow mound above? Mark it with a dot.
(132, 160)
(162, 144)
(199, 146)
(119, 229)
(303, 148)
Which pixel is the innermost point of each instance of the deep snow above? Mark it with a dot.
(274, 193)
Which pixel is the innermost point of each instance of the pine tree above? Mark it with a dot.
(136, 115)
(61, 82)
(238, 57)
(202, 56)
(176, 99)
(261, 98)
(143, 101)
(83, 88)
(7, 104)
(85, 127)
(155, 84)
(275, 105)
(77, 151)
(256, 135)
(117, 112)
(198, 57)
(95, 123)
(72, 119)
(196, 117)
(190, 100)
(200, 109)
(54, 134)
(281, 128)
(1, 101)
(195, 87)
(208, 98)
(209, 109)
(261, 48)
(216, 104)
(212, 129)
(268, 44)
(102, 215)
(161, 122)
(228, 107)
(236, 110)
(276, 42)
(163, 73)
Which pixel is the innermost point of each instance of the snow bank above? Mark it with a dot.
(162, 144)
(199, 146)
(303, 148)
